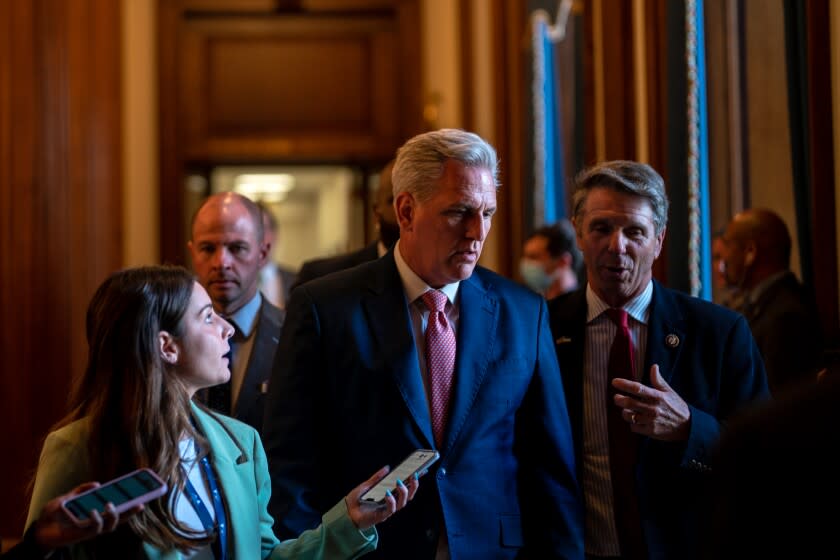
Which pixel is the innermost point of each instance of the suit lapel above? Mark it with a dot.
(666, 335)
(568, 326)
(234, 469)
(478, 316)
(387, 314)
(260, 361)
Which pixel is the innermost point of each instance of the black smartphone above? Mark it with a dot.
(418, 462)
(125, 492)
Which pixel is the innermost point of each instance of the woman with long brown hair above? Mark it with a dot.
(154, 340)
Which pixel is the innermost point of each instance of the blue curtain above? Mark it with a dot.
(704, 222)
(687, 153)
(549, 165)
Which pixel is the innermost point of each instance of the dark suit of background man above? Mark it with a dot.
(228, 250)
(695, 364)
(387, 228)
(755, 261)
(352, 391)
(776, 482)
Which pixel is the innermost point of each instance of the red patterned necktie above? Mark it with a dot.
(623, 443)
(440, 360)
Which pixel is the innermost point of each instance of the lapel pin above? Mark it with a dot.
(562, 340)
(672, 341)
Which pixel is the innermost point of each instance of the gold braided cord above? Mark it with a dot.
(693, 155)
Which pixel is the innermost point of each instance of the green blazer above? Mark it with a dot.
(240, 464)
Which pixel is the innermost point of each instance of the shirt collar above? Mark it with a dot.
(415, 286)
(246, 316)
(637, 308)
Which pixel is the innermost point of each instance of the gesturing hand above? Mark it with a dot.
(656, 411)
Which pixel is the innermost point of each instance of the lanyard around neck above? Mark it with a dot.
(219, 546)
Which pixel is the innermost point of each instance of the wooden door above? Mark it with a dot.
(282, 82)
(60, 210)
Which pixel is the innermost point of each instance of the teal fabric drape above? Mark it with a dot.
(549, 165)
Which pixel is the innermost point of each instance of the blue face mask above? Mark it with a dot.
(534, 275)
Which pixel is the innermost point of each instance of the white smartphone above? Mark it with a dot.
(125, 492)
(418, 462)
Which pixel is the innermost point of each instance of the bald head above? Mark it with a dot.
(223, 203)
(756, 245)
(228, 249)
(769, 233)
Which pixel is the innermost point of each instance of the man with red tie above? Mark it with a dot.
(422, 348)
(650, 374)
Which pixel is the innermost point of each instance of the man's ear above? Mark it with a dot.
(404, 205)
(749, 253)
(565, 260)
(265, 251)
(578, 236)
(660, 240)
(169, 350)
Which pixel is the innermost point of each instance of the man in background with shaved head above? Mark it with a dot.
(228, 250)
(780, 310)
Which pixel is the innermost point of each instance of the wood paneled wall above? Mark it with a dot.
(268, 81)
(60, 212)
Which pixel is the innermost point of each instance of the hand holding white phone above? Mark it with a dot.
(416, 463)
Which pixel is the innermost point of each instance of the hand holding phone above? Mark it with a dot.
(418, 462)
(125, 492)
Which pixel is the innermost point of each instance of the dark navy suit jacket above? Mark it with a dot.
(776, 478)
(251, 402)
(348, 397)
(321, 267)
(708, 356)
(786, 327)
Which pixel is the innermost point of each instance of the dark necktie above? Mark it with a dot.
(624, 443)
(219, 396)
(440, 360)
